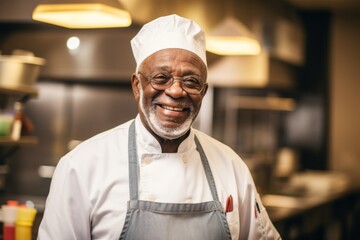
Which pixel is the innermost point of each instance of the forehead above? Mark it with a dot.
(175, 59)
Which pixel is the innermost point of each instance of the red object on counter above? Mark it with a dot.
(9, 232)
(9, 216)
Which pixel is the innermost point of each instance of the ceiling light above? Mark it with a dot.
(73, 43)
(231, 37)
(82, 13)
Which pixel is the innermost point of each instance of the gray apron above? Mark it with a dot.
(172, 221)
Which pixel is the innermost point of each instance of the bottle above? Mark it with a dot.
(17, 124)
(9, 218)
(24, 222)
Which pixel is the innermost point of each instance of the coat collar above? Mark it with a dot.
(148, 143)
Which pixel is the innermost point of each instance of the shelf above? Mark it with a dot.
(28, 91)
(8, 146)
(23, 141)
(10, 94)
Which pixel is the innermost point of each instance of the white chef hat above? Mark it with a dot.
(165, 32)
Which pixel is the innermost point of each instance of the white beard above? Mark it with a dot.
(161, 131)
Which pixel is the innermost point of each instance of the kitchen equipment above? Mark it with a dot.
(20, 69)
(287, 163)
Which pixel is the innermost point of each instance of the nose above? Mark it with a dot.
(176, 90)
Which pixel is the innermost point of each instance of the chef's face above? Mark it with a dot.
(168, 113)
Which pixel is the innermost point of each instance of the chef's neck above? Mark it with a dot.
(167, 145)
(170, 145)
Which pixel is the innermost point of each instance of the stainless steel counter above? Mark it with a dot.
(323, 216)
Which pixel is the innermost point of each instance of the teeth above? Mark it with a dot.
(173, 108)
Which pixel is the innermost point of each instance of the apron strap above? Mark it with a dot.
(133, 169)
(207, 170)
(133, 166)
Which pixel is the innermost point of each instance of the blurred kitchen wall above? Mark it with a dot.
(344, 94)
(63, 114)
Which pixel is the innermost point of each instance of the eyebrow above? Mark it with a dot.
(184, 73)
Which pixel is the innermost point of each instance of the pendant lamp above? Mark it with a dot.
(82, 13)
(231, 37)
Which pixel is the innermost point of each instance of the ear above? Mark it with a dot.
(135, 83)
(205, 90)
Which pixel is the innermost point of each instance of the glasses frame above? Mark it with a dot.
(170, 83)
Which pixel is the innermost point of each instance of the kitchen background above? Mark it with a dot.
(307, 107)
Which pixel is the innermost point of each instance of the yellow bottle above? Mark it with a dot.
(24, 223)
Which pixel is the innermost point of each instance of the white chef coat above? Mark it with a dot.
(90, 187)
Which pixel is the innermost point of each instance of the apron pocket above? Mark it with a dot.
(233, 221)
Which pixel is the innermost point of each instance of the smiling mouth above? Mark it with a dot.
(175, 109)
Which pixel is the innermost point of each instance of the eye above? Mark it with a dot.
(161, 78)
(192, 82)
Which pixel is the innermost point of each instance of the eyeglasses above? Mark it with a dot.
(190, 84)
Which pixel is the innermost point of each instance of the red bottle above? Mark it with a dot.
(9, 218)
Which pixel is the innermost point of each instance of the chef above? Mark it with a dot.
(155, 177)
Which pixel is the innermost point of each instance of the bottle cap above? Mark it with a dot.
(12, 203)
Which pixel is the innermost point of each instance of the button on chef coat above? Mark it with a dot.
(90, 187)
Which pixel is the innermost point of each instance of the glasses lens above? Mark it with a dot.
(192, 85)
(161, 82)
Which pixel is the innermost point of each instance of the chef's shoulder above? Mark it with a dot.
(213, 148)
(226, 163)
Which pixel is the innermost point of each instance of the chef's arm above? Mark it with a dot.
(66, 213)
(254, 220)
